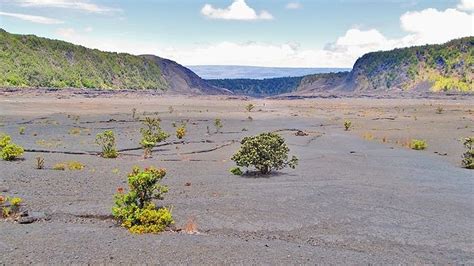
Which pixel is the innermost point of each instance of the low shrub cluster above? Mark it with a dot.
(10, 206)
(9, 151)
(135, 209)
(181, 131)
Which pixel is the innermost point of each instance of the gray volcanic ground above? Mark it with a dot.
(352, 199)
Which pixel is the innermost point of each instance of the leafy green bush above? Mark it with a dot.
(417, 144)
(152, 134)
(135, 210)
(266, 152)
(106, 139)
(11, 152)
(468, 156)
(21, 130)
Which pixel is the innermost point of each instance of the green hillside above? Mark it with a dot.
(30, 61)
(445, 67)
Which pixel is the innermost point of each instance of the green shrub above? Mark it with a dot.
(468, 156)
(347, 125)
(11, 152)
(152, 134)
(21, 130)
(265, 152)
(135, 210)
(418, 145)
(106, 139)
(236, 171)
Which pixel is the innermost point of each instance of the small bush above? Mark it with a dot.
(347, 125)
(21, 130)
(11, 152)
(181, 132)
(418, 145)
(106, 140)
(39, 163)
(265, 152)
(135, 210)
(439, 110)
(152, 134)
(249, 107)
(236, 171)
(218, 124)
(468, 156)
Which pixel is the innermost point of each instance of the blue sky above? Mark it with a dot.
(286, 33)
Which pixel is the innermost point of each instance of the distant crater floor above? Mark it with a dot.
(358, 196)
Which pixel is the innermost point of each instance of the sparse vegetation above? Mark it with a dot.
(418, 145)
(71, 165)
(21, 130)
(10, 206)
(439, 110)
(39, 163)
(152, 134)
(106, 140)
(468, 156)
(265, 152)
(181, 131)
(249, 107)
(135, 210)
(347, 125)
(218, 124)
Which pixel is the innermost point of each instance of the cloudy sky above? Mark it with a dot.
(285, 33)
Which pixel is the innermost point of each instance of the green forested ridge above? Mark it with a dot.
(447, 67)
(258, 87)
(30, 61)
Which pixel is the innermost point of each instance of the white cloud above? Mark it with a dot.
(82, 5)
(467, 5)
(238, 10)
(433, 26)
(429, 26)
(293, 5)
(66, 33)
(31, 18)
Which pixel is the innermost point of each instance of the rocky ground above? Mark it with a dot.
(358, 196)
